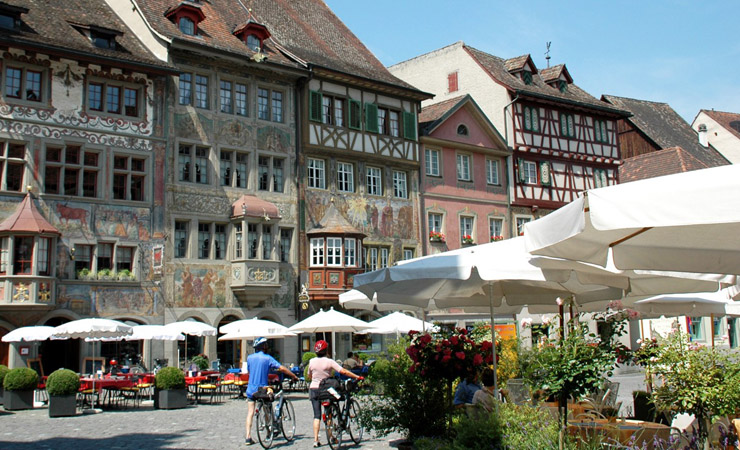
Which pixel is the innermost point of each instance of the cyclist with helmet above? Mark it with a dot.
(259, 365)
(320, 368)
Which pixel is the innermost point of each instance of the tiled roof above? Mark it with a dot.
(553, 73)
(48, 24)
(27, 219)
(334, 222)
(497, 68)
(730, 121)
(655, 164)
(252, 206)
(661, 124)
(432, 113)
(307, 29)
(516, 63)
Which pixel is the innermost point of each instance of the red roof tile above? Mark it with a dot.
(27, 219)
(655, 164)
(730, 121)
(252, 206)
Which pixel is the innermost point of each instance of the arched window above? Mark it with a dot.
(462, 130)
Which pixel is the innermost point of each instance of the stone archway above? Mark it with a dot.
(228, 352)
(4, 347)
(58, 354)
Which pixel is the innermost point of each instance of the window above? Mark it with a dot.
(105, 256)
(9, 22)
(286, 240)
(527, 77)
(462, 130)
(193, 90)
(22, 83)
(4, 243)
(317, 251)
(270, 173)
(394, 123)
(233, 98)
(226, 96)
(345, 177)
(23, 255)
(563, 86)
(600, 178)
(71, 170)
(463, 167)
(520, 222)
(211, 241)
(350, 252)
(373, 181)
(531, 119)
(495, 228)
(193, 156)
(332, 110)
(376, 258)
(181, 239)
(253, 42)
(204, 240)
(44, 255)
(528, 172)
(124, 259)
(266, 241)
(238, 241)
(452, 82)
(187, 26)
(431, 162)
(252, 240)
(129, 177)
(219, 241)
(233, 168)
(12, 166)
(355, 115)
(111, 98)
(400, 189)
(435, 222)
(316, 173)
(717, 327)
(83, 257)
(269, 105)
(600, 134)
(695, 328)
(466, 227)
(492, 171)
(103, 40)
(408, 253)
(333, 251)
(567, 128)
(388, 122)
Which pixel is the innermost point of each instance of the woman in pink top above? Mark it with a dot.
(320, 368)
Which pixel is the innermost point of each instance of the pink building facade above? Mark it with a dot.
(463, 177)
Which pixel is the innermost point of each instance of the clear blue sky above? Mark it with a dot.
(684, 53)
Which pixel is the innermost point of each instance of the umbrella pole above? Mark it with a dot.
(711, 326)
(493, 340)
(333, 346)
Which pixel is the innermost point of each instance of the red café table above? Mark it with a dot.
(104, 383)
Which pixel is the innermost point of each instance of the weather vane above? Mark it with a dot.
(547, 53)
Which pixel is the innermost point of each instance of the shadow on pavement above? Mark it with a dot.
(138, 440)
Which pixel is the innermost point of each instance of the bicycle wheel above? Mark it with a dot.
(353, 421)
(333, 426)
(287, 420)
(264, 424)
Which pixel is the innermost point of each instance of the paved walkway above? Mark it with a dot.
(217, 426)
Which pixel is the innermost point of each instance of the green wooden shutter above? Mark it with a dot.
(520, 170)
(314, 106)
(355, 115)
(545, 173)
(409, 125)
(371, 117)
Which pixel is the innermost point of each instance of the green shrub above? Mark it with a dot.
(201, 361)
(483, 431)
(170, 378)
(3, 371)
(63, 382)
(307, 357)
(21, 379)
(527, 427)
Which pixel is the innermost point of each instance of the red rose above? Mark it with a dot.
(445, 358)
(460, 355)
(477, 359)
(454, 340)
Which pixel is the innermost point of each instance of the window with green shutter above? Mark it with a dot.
(409, 125)
(355, 115)
(371, 117)
(314, 106)
(545, 173)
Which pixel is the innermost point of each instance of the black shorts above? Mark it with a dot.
(313, 395)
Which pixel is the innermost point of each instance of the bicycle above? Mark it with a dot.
(342, 414)
(274, 418)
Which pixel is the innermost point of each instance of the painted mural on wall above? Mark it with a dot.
(123, 222)
(112, 301)
(77, 298)
(283, 298)
(200, 287)
(273, 139)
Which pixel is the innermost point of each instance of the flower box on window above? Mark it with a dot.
(467, 240)
(497, 238)
(436, 236)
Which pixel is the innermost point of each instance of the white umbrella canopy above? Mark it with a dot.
(154, 333)
(695, 304)
(192, 328)
(29, 334)
(330, 321)
(687, 222)
(399, 323)
(92, 328)
(253, 327)
(245, 334)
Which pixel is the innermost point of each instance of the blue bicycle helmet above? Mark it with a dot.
(259, 341)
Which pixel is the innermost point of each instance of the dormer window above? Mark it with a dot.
(101, 40)
(187, 16)
(253, 34)
(99, 37)
(462, 130)
(10, 16)
(562, 86)
(9, 22)
(527, 77)
(254, 43)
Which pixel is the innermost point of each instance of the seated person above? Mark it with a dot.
(114, 369)
(466, 389)
(349, 363)
(484, 397)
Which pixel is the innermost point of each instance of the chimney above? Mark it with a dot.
(703, 136)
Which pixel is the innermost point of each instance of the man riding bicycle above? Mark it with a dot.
(320, 368)
(259, 365)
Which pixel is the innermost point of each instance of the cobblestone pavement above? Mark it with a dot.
(216, 426)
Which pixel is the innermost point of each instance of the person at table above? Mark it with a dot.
(350, 363)
(485, 396)
(320, 368)
(114, 369)
(466, 389)
(259, 365)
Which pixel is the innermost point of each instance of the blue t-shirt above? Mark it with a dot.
(464, 393)
(259, 365)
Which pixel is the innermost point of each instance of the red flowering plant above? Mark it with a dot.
(467, 239)
(436, 236)
(497, 238)
(447, 355)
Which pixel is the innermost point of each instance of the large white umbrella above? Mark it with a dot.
(92, 328)
(29, 334)
(242, 335)
(191, 328)
(687, 222)
(253, 327)
(330, 321)
(399, 323)
(154, 333)
(694, 304)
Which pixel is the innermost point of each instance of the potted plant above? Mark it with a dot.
(106, 274)
(3, 371)
(467, 240)
(171, 392)
(125, 275)
(62, 387)
(84, 274)
(497, 238)
(436, 236)
(19, 385)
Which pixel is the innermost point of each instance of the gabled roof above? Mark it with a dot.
(50, 26)
(334, 222)
(27, 219)
(729, 121)
(432, 116)
(555, 72)
(519, 63)
(573, 97)
(252, 206)
(304, 33)
(655, 164)
(665, 128)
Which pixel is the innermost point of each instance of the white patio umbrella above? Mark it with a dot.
(398, 323)
(92, 328)
(29, 334)
(254, 327)
(191, 328)
(242, 335)
(330, 321)
(687, 222)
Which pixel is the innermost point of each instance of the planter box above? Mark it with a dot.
(62, 405)
(171, 399)
(17, 400)
(2, 395)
